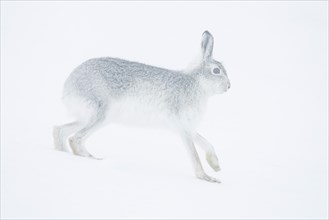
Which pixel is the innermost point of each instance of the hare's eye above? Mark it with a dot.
(216, 70)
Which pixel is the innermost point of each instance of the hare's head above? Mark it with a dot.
(212, 73)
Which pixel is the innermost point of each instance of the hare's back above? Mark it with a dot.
(112, 76)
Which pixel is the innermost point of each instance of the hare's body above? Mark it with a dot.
(135, 93)
(116, 90)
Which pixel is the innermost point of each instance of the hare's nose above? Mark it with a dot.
(229, 85)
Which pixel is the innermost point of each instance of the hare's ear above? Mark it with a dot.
(207, 45)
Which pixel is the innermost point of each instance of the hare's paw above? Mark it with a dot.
(79, 150)
(88, 155)
(204, 176)
(95, 158)
(213, 161)
(58, 142)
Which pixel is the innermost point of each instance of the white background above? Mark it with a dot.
(270, 130)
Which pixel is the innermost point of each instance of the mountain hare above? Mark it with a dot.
(122, 91)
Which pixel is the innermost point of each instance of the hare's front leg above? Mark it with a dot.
(210, 151)
(199, 172)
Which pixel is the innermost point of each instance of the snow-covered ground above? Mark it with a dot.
(270, 130)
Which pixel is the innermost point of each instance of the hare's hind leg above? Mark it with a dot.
(210, 151)
(61, 133)
(78, 139)
(199, 172)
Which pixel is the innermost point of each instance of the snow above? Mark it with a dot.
(270, 130)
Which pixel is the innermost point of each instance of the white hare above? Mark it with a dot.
(122, 91)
